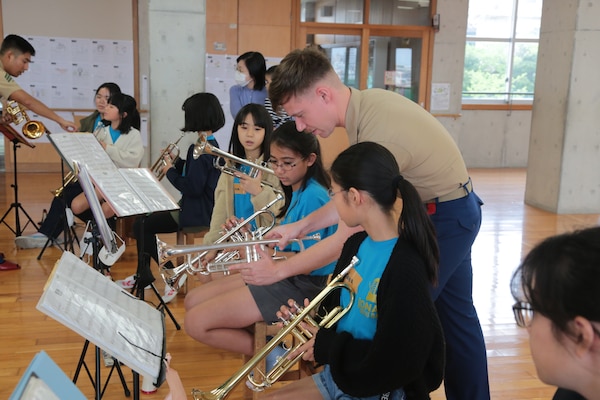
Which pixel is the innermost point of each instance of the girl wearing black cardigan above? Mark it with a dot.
(390, 344)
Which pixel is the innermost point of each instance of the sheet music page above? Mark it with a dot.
(117, 191)
(82, 147)
(98, 309)
(149, 189)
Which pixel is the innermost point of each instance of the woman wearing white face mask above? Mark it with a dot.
(250, 82)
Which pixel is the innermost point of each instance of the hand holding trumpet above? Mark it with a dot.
(250, 184)
(263, 271)
(167, 163)
(307, 349)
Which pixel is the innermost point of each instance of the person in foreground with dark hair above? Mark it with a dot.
(557, 293)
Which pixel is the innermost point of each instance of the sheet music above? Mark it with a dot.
(98, 309)
(129, 191)
(118, 193)
(82, 147)
(149, 189)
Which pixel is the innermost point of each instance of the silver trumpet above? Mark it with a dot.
(203, 147)
(221, 263)
(172, 277)
(264, 379)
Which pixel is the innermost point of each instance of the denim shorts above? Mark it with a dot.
(330, 391)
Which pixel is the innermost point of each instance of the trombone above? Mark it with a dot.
(31, 129)
(203, 147)
(291, 326)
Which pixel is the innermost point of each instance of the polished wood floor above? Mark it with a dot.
(509, 230)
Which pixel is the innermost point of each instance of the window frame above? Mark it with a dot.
(507, 102)
(365, 31)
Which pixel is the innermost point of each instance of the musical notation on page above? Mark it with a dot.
(87, 302)
(129, 191)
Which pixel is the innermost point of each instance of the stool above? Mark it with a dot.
(188, 235)
(124, 228)
(261, 331)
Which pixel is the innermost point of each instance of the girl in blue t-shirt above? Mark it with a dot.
(295, 158)
(390, 344)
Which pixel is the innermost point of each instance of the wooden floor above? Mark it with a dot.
(509, 230)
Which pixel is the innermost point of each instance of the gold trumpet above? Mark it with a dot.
(291, 327)
(31, 129)
(203, 147)
(171, 151)
(69, 178)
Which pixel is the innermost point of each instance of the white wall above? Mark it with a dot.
(176, 44)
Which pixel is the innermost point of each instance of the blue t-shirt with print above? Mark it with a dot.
(361, 320)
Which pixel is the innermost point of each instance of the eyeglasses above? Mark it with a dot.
(523, 313)
(284, 165)
(331, 193)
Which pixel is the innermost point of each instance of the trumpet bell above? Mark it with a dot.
(34, 129)
(31, 129)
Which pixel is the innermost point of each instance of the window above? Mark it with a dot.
(391, 51)
(501, 51)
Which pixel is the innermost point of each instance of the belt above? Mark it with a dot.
(459, 193)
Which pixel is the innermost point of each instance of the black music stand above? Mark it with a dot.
(96, 380)
(16, 140)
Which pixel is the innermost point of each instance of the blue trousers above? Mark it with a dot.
(457, 223)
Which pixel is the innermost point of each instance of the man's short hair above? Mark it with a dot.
(297, 72)
(16, 42)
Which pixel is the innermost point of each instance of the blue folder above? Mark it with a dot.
(43, 367)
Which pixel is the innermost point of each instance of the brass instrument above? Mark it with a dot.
(171, 151)
(221, 262)
(172, 277)
(291, 327)
(31, 129)
(69, 178)
(203, 147)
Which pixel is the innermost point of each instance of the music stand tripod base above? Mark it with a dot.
(16, 206)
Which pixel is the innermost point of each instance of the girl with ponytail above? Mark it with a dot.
(390, 344)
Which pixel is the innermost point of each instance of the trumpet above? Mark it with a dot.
(172, 277)
(291, 327)
(171, 151)
(203, 147)
(31, 129)
(69, 178)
